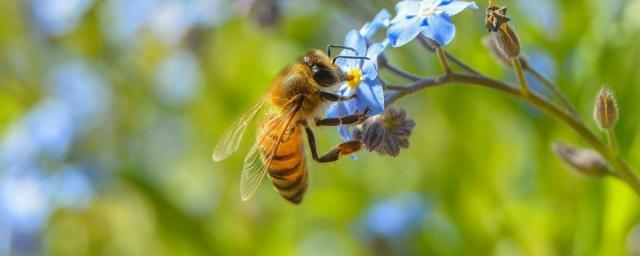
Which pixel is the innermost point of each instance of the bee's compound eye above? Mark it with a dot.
(323, 76)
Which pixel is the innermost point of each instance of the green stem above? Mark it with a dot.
(554, 89)
(442, 57)
(517, 67)
(613, 141)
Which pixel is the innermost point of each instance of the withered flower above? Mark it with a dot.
(387, 132)
(498, 24)
(587, 162)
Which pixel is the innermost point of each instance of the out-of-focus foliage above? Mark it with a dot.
(109, 111)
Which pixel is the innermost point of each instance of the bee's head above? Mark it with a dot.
(324, 70)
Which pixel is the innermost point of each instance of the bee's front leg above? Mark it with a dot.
(334, 154)
(335, 97)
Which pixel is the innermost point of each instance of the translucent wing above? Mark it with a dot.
(254, 168)
(231, 139)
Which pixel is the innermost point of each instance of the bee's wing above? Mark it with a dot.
(231, 139)
(254, 168)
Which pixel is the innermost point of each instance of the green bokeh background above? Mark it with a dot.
(480, 160)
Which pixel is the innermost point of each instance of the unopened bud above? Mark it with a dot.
(605, 111)
(498, 24)
(585, 161)
(491, 43)
(386, 133)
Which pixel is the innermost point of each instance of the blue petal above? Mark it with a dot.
(344, 132)
(456, 7)
(401, 33)
(336, 110)
(370, 67)
(440, 28)
(383, 17)
(352, 105)
(355, 41)
(370, 95)
(380, 21)
(405, 9)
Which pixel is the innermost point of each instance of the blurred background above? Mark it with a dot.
(110, 109)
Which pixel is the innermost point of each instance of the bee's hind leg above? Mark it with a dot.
(334, 154)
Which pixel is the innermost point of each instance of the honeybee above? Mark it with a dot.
(296, 99)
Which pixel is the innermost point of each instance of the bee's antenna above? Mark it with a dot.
(349, 57)
(340, 47)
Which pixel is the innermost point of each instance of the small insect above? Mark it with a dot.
(496, 16)
(297, 98)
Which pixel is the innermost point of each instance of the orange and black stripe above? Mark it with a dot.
(288, 169)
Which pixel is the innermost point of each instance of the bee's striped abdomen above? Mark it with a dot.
(288, 169)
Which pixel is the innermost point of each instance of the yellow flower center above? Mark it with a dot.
(354, 76)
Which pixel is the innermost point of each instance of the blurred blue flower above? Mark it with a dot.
(178, 78)
(381, 20)
(363, 81)
(18, 151)
(396, 217)
(82, 89)
(51, 128)
(58, 17)
(72, 187)
(208, 13)
(170, 22)
(24, 202)
(543, 13)
(429, 17)
(122, 19)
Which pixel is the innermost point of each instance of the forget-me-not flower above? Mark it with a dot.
(380, 21)
(429, 17)
(363, 79)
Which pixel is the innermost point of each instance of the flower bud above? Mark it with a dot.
(498, 24)
(386, 133)
(605, 111)
(491, 43)
(586, 162)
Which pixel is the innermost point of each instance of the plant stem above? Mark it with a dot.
(554, 89)
(625, 172)
(613, 141)
(461, 64)
(443, 61)
(400, 72)
(517, 67)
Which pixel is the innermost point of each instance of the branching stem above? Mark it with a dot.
(625, 172)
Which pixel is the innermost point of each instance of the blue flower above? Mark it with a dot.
(429, 17)
(57, 18)
(397, 217)
(382, 20)
(363, 79)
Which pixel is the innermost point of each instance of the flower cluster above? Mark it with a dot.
(431, 18)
